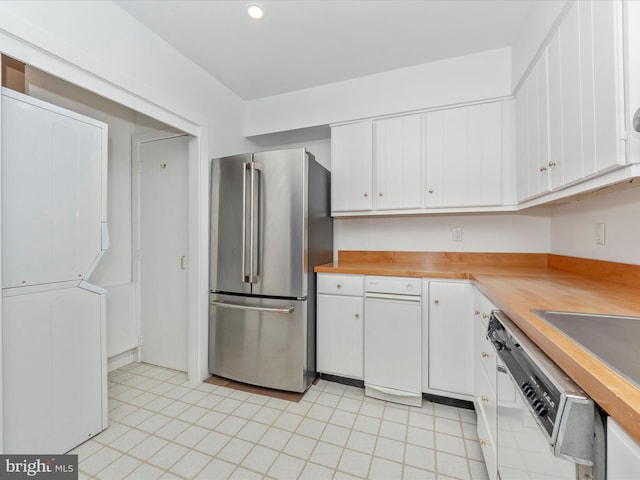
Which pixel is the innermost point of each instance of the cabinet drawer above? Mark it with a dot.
(340, 284)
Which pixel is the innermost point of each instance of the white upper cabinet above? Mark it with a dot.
(398, 162)
(444, 159)
(464, 156)
(572, 103)
(608, 90)
(351, 167)
(532, 144)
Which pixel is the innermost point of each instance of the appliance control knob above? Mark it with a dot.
(536, 403)
(542, 411)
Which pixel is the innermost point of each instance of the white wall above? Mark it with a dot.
(573, 227)
(533, 33)
(456, 80)
(527, 232)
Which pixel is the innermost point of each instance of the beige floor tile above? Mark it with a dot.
(121, 468)
(260, 459)
(286, 467)
(382, 469)
(191, 464)
(300, 446)
(355, 463)
(215, 432)
(168, 455)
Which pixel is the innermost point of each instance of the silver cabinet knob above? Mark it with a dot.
(366, 194)
(431, 190)
(379, 194)
(436, 301)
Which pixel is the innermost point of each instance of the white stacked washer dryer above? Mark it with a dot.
(54, 371)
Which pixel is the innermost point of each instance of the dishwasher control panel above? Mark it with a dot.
(393, 285)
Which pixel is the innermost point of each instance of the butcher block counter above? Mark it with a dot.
(518, 283)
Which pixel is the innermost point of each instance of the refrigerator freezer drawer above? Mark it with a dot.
(259, 341)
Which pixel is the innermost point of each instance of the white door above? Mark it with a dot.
(163, 242)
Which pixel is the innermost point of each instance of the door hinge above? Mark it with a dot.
(139, 340)
(139, 254)
(139, 167)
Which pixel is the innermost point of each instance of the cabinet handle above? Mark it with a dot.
(357, 315)
(436, 301)
(484, 398)
(477, 312)
(485, 316)
(552, 164)
(482, 442)
(379, 194)
(542, 169)
(485, 355)
(338, 285)
(366, 194)
(431, 190)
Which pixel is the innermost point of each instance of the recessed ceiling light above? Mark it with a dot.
(255, 11)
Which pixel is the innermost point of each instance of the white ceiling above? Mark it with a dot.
(304, 43)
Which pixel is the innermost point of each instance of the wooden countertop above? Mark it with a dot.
(517, 284)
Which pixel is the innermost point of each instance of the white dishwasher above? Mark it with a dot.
(392, 339)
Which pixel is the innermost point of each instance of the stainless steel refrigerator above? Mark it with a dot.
(270, 225)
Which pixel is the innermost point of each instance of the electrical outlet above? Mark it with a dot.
(456, 234)
(600, 234)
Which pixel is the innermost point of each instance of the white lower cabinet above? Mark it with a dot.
(484, 384)
(340, 325)
(623, 453)
(450, 338)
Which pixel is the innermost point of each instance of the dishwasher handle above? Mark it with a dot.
(393, 297)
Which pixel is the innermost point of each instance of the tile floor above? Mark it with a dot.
(161, 426)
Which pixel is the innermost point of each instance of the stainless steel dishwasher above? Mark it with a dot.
(392, 339)
(552, 430)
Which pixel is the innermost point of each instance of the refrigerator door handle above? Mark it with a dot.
(245, 167)
(254, 223)
(285, 310)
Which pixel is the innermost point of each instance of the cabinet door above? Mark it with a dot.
(556, 138)
(451, 337)
(571, 168)
(536, 135)
(398, 162)
(463, 155)
(340, 335)
(608, 102)
(352, 167)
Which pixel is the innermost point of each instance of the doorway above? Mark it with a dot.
(162, 244)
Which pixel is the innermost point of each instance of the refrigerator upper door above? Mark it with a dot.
(281, 236)
(230, 224)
